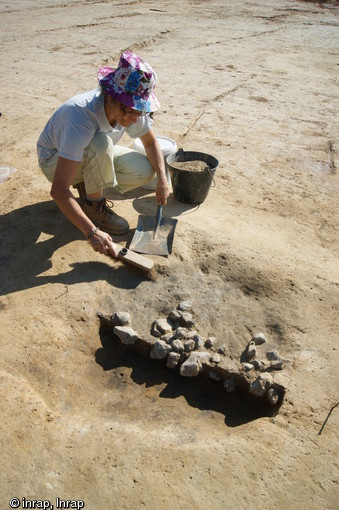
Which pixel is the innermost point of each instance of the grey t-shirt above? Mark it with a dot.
(73, 125)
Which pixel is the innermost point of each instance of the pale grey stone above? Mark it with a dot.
(272, 396)
(216, 358)
(177, 345)
(173, 359)
(247, 366)
(126, 334)
(174, 315)
(189, 345)
(258, 365)
(222, 349)
(160, 327)
(214, 376)
(261, 385)
(121, 319)
(160, 350)
(276, 365)
(191, 367)
(230, 384)
(167, 338)
(187, 319)
(199, 342)
(272, 356)
(180, 333)
(210, 342)
(185, 306)
(250, 351)
(259, 338)
(191, 334)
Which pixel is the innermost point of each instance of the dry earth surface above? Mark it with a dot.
(253, 83)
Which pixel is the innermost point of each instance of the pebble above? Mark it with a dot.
(247, 366)
(251, 351)
(210, 342)
(185, 306)
(261, 385)
(222, 350)
(276, 365)
(216, 358)
(167, 338)
(121, 319)
(174, 315)
(272, 396)
(258, 365)
(272, 356)
(187, 319)
(199, 342)
(189, 345)
(230, 384)
(126, 334)
(180, 333)
(160, 350)
(173, 359)
(177, 345)
(259, 338)
(160, 327)
(192, 366)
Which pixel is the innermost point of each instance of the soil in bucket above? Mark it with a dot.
(192, 174)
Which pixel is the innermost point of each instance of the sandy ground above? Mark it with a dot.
(252, 83)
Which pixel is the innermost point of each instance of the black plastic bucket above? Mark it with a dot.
(189, 186)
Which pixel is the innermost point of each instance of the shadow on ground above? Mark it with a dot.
(238, 408)
(29, 238)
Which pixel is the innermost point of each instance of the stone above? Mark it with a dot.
(180, 333)
(160, 350)
(250, 351)
(230, 384)
(189, 345)
(173, 359)
(187, 319)
(167, 338)
(177, 345)
(222, 350)
(192, 366)
(174, 316)
(191, 334)
(160, 327)
(210, 342)
(126, 334)
(199, 342)
(276, 365)
(121, 319)
(259, 338)
(258, 365)
(214, 376)
(216, 358)
(272, 356)
(272, 396)
(261, 385)
(247, 366)
(185, 306)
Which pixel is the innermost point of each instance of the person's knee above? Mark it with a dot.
(101, 143)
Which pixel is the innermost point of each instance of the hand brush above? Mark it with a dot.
(138, 264)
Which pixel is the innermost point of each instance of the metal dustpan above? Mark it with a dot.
(154, 234)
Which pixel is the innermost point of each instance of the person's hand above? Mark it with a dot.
(102, 243)
(162, 191)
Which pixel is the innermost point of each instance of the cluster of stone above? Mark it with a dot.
(258, 357)
(176, 341)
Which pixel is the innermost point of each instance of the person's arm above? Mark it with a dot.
(156, 158)
(62, 196)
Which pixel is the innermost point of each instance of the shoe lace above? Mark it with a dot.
(105, 206)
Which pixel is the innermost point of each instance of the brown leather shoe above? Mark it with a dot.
(103, 217)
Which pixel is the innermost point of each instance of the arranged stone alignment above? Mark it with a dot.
(175, 341)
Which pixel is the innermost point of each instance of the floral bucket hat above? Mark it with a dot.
(132, 83)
